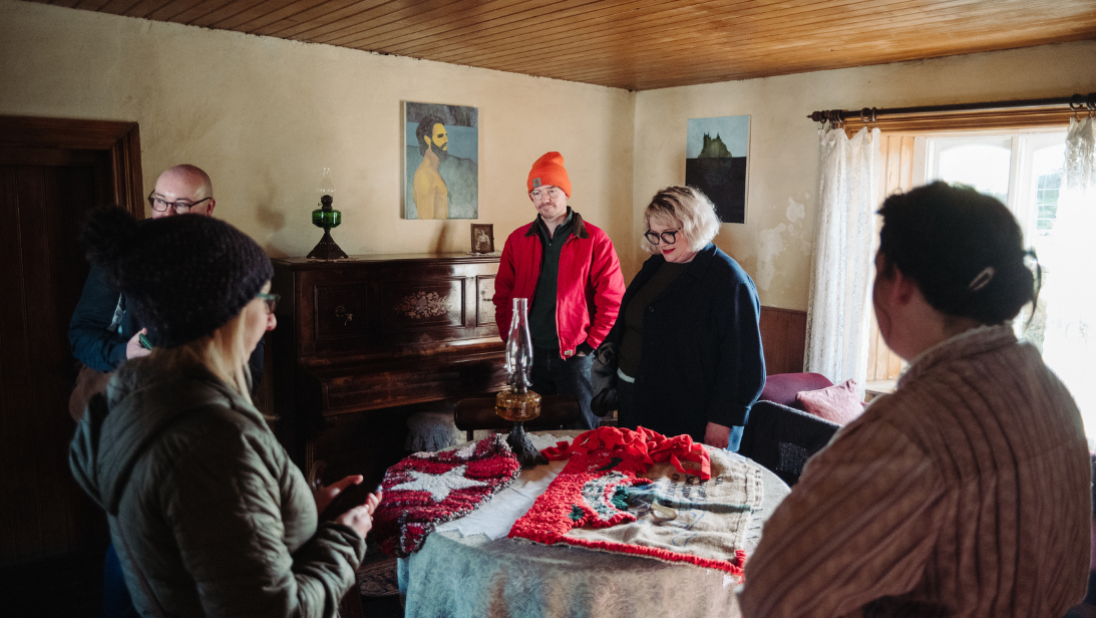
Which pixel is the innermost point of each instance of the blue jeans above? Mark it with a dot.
(116, 600)
(553, 375)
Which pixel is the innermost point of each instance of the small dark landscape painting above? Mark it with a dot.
(715, 163)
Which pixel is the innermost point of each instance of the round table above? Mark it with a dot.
(475, 576)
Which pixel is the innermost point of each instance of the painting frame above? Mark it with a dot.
(483, 238)
(717, 158)
(440, 161)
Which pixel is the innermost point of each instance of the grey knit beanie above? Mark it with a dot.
(183, 276)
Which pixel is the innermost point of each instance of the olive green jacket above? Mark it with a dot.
(205, 502)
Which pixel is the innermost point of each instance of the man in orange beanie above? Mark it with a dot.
(570, 271)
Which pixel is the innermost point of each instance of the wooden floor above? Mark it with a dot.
(71, 586)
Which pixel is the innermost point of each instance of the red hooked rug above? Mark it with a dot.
(427, 489)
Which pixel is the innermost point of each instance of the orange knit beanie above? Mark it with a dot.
(549, 170)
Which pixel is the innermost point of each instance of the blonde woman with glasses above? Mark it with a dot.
(689, 347)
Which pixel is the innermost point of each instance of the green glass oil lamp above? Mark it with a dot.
(326, 217)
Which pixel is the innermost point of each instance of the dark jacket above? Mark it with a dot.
(102, 347)
(213, 512)
(94, 342)
(702, 359)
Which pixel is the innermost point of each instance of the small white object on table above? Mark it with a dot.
(468, 567)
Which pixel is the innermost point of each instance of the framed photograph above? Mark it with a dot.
(440, 161)
(483, 238)
(716, 155)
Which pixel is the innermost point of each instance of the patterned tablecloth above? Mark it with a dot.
(469, 568)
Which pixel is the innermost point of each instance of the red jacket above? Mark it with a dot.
(588, 292)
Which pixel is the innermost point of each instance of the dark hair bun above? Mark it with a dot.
(108, 234)
(964, 249)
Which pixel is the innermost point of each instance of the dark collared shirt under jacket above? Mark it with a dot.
(631, 344)
(542, 315)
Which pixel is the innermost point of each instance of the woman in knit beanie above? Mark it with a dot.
(207, 512)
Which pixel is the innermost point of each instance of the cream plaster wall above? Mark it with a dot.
(263, 116)
(774, 245)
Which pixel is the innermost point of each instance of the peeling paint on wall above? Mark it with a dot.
(802, 232)
(769, 245)
(795, 210)
(773, 242)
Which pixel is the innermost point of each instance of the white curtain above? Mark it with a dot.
(1069, 344)
(837, 314)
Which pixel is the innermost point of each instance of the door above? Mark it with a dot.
(51, 173)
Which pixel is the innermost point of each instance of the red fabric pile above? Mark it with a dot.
(586, 491)
(604, 458)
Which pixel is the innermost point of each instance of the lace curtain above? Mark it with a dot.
(1069, 345)
(838, 311)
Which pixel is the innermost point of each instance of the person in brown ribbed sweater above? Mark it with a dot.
(967, 491)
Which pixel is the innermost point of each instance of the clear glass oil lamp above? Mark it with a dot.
(517, 403)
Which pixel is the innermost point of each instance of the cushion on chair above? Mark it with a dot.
(431, 431)
(839, 404)
(782, 438)
(783, 387)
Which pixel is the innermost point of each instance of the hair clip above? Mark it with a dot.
(1031, 262)
(982, 279)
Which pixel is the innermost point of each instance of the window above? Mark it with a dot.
(1021, 168)
(1022, 151)
(1024, 171)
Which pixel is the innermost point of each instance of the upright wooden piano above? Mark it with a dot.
(364, 342)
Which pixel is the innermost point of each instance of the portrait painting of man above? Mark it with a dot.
(441, 171)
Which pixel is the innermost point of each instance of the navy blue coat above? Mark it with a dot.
(702, 356)
(97, 345)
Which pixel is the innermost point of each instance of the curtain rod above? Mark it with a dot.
(1076, 102)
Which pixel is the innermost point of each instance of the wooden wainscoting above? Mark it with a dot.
(784, 338)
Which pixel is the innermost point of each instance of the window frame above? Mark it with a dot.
(901, 154)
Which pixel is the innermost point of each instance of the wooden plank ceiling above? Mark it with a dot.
(640, 44)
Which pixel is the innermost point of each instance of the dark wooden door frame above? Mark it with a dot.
(120, 139)
(100, 161)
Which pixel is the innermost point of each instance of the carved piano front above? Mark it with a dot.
(364, 342)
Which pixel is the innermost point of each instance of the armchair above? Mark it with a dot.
(781, 437)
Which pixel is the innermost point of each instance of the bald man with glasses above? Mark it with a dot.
(183, 189)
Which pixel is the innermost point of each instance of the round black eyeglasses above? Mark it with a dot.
(159, 204)
(669, 237)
